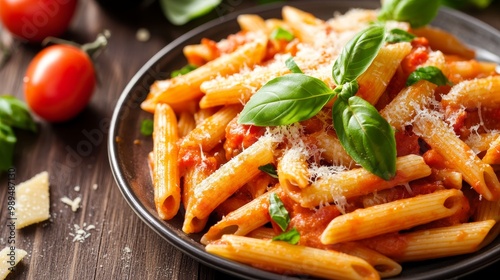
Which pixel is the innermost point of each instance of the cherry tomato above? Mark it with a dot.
(59, 82)
(34, 20)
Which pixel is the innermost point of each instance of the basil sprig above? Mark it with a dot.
(281, 34)
(270, 169)
(428, 73)
(13, 114)
(278, 212)
(358, 54)
(296, 97)
(292, 236)
(416, 12)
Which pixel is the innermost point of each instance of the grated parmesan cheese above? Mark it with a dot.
(81, 233)
(74, 204)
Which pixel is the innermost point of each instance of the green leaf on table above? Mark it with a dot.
(417, 13)
(180, 12)
(358, 54)
(292, 236)
(15, 113)
(278, 212)
(365, 135)
(428, 73)
(285, 100)
(7, 142)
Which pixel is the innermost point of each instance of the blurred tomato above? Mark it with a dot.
(34, 20)
(59, 82)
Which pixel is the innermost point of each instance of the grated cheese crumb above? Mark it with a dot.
(81, 233)
(74, 204)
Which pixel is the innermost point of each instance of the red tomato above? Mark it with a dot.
(59, 82)
(34, 20)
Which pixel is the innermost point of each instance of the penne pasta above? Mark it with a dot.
(376, 220)
(166, 179)
(275, 254)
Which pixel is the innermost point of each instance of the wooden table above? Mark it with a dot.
(121, 246)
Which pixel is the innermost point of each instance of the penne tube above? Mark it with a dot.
(484, 92)
(212, 130)
(444, 242)
(444, 41)
(480, 142)
(262, 233)
(226, 180)
(373, 82)
(303, 24)
(187, 87)
(166, 178)
(251, 22)
(392, 216)
(293, 168)
(492, 155)
(470, 69)
(331, 149)
(340, 186)
(458, 155)
(284, 258)
(403, 108)
(243, 220)
(186, 123)
(385, 266)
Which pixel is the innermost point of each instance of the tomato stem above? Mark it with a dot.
(93, 49)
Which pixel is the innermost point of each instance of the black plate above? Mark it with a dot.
(129, 165)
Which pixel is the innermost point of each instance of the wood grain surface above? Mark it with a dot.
(75, 154)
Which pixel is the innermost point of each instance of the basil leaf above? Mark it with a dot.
(147, 127)
(428, 73)
(416, 12)
(397, 35)
(365, 135)
(15, 113)
(269, 169)
(180, 12)
(184, 70)
(292, 236)
(286, 100)
(281, 34)
(278, 212)
(7, 142)
(294, 68)
(358, 54)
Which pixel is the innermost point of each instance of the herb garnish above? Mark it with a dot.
(365, 135)
(428, 73)
(13, 114)
(278, 212)
(147, 126)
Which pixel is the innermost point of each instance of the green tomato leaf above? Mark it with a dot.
(269, 169)
(294, 68)
(365, 135)
(180, 12)
(15, 113)
(286, 100)
(398, 35)
(358, 54)
(147, 127)
(278, 212)
(428, 73)
(417, 13)
(292, 236)
(281, 34)
(7, 142)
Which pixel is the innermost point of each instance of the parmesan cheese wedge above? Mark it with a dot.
(9, 257)
(32, 200)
